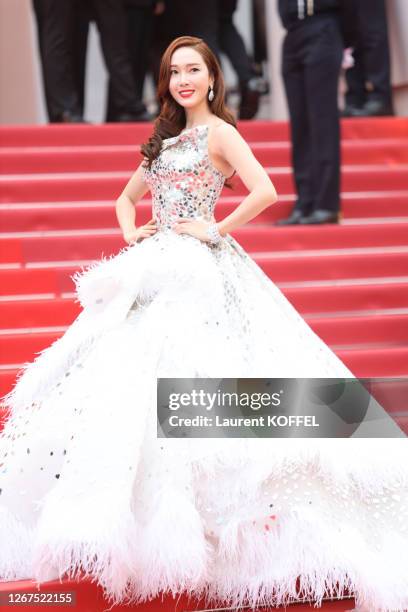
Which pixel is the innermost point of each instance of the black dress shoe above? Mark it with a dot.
(134, 117)
(293, 219)
(374, 108)
(71, 117)
(321, 216)
(351, 110)
(250, 92)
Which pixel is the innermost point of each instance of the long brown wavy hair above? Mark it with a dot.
(172, 120)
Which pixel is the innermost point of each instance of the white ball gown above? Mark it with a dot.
(87, 486)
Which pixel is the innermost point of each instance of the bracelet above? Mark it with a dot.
(213, 233)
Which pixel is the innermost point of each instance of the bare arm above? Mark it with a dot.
(125, 204)
(232, 147)
(126, 209)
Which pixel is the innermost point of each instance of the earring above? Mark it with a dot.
(211, 94)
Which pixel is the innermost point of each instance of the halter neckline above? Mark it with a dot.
(186, 130)
(199, 125)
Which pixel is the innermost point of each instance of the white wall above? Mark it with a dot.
(397, 13)
(20, 82)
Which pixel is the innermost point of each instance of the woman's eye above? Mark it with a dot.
(175, 71)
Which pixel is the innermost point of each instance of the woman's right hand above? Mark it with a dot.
(138, 234)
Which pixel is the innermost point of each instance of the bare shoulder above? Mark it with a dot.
(222, 128)
(224, 135)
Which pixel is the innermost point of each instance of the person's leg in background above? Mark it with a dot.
(323, 64)
(81, 32)
(200, 19)
(372, 70)
(259, 36)
(231, 41)
(139, 20)
(111, 22)
(376, 58)
(293, 73)
(165, 26)
(233, 46)
(56, 21)
(355, 93)
(39, 17)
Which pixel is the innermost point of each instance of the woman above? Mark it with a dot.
(87, 484)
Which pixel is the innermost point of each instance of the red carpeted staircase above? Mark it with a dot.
(349, 281)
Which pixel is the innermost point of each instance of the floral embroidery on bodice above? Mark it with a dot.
(183, 180)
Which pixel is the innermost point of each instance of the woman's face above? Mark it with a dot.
(189, 77)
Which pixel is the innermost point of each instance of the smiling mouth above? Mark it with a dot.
(186, 93)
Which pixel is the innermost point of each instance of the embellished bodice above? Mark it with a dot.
(183, 180)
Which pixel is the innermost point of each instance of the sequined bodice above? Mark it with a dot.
(183, 180)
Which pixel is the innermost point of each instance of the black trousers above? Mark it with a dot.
(212, 21)
(111, 21)
(311, 61)
(372, 56)
(57, 45)
(62, 32)
(194, 18)
(139, 40)
(231, 41)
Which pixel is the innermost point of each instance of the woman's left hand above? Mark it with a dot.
(194, 227)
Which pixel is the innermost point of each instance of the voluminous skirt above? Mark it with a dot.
(86, 485)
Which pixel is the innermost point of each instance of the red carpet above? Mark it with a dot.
(89, 598)
(349, 281)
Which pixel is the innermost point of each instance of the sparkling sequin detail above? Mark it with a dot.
(183, 180)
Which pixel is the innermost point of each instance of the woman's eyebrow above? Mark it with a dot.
(176, 65)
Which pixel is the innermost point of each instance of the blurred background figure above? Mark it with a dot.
(140, 17)
(369, 81)
(201, 18)
(212, 21)
(317, 33)
(62, 32)
(133, 36)
(251, 86)
(259, 36)
(62, 24)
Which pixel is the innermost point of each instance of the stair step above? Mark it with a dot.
(21, 247)
(89, 598)
(364, 329)
(38, 313)
(392, 394)
(48, 280)
(389, 330)
(376, 362)
(71, 135)
(92, 215)
(32, 311)
(99, 158)
(19, 217)
(345, 298)
(108, 185)
(325, 266)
